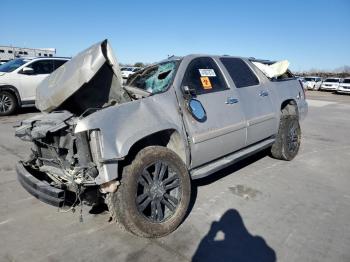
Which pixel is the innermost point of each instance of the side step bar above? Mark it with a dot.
(228, 160)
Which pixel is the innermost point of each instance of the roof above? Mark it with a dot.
(42, 57)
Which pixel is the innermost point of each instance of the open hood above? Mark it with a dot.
(91, 79)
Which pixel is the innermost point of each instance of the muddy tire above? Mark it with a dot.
(154, 193)
(287, 142)
(8, 103)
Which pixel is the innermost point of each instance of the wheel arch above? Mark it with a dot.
(289, 107)
(13, 90)
(169, 138)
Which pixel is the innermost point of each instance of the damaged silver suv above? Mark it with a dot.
(137, 147)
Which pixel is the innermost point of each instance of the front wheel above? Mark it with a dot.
(287, 142)
(8, 103)
(154, 193)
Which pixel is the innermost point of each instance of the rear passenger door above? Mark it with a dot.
(224, 129)
(255, 100)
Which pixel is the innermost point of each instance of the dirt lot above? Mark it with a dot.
(258, 210)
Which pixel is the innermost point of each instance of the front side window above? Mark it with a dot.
(12, 65)
(42, 67)
(154, 79)
(203, 75)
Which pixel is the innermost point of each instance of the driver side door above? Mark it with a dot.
(223, 131)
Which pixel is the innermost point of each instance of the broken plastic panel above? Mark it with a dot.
(273, 70)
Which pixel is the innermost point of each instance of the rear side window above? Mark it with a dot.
(240, 72)
(58, 63)
(204, 76)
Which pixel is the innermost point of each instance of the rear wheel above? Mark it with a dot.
(287, 142)
(154, 193)
(8, 103)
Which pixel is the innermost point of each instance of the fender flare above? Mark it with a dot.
(12, 89)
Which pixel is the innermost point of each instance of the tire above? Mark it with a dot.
(151, 203)
(8, 103)
(287, 143)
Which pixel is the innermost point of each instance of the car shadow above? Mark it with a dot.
(229, 240)
(221, 174)
(26, 110)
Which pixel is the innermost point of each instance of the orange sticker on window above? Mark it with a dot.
(206, 82)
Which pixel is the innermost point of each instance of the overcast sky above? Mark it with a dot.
(310, 34)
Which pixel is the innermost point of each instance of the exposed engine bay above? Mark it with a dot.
(63, 158)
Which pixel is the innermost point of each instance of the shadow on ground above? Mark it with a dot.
(229, 240)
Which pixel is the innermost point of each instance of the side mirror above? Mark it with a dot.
(188, 92)
(196, 109)
(27, 71)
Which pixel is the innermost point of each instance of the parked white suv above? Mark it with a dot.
(128, 71)
(330, 84)
(19, 79)
(344, 87)
(312, 83)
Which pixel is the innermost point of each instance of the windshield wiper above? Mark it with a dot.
(132, 90)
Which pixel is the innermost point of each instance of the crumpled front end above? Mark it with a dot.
(60, 158)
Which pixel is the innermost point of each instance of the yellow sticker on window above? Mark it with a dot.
(206, 84)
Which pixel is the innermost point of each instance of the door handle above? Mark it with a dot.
(231, 100)
(263, 93)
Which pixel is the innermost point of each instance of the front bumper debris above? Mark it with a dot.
(42, 190)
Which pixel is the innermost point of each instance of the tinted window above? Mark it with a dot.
(9, 51)
(332, 80)
(2, 51)
(58, 63)
(240, 72)
(203, 75)
(42, 67)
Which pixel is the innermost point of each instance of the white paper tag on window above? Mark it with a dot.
(207, 72)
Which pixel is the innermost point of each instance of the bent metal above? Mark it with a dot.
(138, 146)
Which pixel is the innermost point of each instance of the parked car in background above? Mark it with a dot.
(128, 71)
(302, 82)
(330, 84)
(344, 86)
(312, 82)
(19, 79)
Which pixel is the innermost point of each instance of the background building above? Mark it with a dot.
(10, 52)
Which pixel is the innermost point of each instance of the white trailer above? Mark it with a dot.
(10, 52)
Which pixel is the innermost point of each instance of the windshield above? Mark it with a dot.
(309, 79)
(154, 79)
(332, 80)
(346, 81)
(12, 65)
